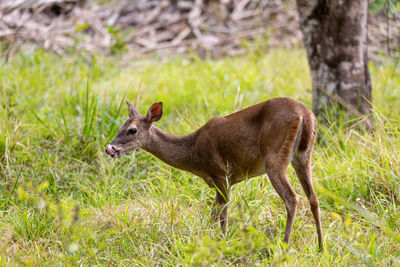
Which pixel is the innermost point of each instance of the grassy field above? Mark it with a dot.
(64, 201)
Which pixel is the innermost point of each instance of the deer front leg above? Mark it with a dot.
(220, 209)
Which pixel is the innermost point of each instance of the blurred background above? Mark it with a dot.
(207, 27)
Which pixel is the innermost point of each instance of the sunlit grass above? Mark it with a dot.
(63, 200)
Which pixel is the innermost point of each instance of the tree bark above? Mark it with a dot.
(335, 37)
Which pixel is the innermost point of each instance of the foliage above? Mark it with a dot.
(62, 200)
(390, 6)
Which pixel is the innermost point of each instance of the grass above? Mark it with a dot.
(64, 201)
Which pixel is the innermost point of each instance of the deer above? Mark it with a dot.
(261, 139)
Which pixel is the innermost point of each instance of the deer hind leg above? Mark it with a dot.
(277, 175)
(302, 165)
(277, 148)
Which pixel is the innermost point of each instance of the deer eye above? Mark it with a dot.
(132, 131)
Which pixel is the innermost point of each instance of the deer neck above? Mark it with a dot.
(176, 151)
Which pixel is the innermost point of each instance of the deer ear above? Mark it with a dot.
(132, 111)
(155, 112)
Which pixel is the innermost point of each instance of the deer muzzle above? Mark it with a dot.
(112, 151)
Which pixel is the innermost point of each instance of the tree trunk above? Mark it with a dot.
(335, 37)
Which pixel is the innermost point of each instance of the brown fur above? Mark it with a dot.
(263, 138)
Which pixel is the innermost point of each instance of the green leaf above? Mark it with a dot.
(82, 27)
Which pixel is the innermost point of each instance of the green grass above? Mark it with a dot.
(63, 200)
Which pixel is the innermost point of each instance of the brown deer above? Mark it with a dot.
(260, 139)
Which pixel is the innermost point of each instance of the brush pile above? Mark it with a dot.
(215, 27)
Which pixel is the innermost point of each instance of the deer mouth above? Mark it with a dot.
(112, 151)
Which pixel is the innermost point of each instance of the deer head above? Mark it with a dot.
(134, 133)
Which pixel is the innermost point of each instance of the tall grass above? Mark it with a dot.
(62, 200)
